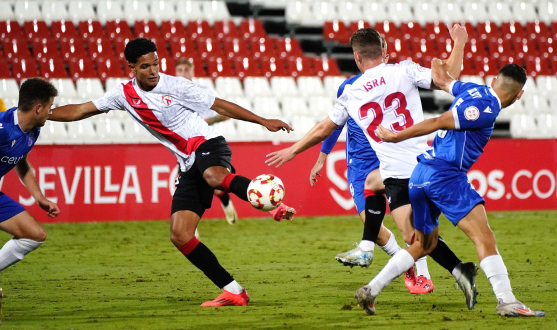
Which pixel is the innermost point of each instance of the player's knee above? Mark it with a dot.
(213, 180)
(37, 233)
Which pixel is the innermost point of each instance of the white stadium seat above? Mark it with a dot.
(113, 82)
(451, 12)
(400, 12)
(89, 88)
(529, 88)
(270, 4)
(228, 86)
(442, 98)
(499, 11)
(524, 11)
(82, 132)
(136, 11)
(284, 86)
(310, 86)
(257, 86)
(215, 11)
(54, 11)
(301, 13)
(319, 106)
(473, 79)
(547, 11)
(535, 104)
(6, 11)
(228, 129)
(266, 107)
(81, 11)
(506, 114)
(375, 12)
(523, 126)
(350, 11)
(27, 11)
(189, 11)
(109, 130)
(134, 133)
(324, 11)
(250, 131)
(162, 10)
(109, 10)
(332, 83)
(553, 103)
(243, 102)
(54, 132)
(9, 89)
(547, 126)
(425, 11)
(206, 82)
(546, 84)
(475, 11)
(65, 87)
(295, 106)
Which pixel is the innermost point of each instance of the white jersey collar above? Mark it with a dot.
(494, 94)
(375, 67)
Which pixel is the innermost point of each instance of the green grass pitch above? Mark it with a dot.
(127, 275)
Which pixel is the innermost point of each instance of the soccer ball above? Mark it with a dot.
(266, 192)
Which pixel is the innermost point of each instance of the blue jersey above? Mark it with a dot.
(474, 110)
(359, 153)
(14, 143)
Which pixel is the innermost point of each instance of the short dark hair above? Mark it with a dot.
(367, 42)
(514, 72)
(33, 91)
(137, 48)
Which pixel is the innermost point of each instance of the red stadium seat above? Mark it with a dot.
(10, 30)
(209, 49)
(474, 49)
(82, 68)
(91, 30)
(548, 48)
(300, 67)
(527, 49)
(274, 67)
(445, 48)
(63, 30)
(336, 31)
(470, 29)
(553, 29)
(236, 48)
(225, 30)
(36, 30)
(167, 65)
(500, 49)
(399, 50)
(119, 47)
(198, 69)
(118, 30)
(182, 48)
(425, 51)
(162, 52)
(388, 30)
(252, 29)
(263, 48)
(246, 67)
(513, 31)
(487, 67)
(468, 69)
(53, 68)
(25, 68)
(127, 72)
(72, 50)
(326, 66)
(287, 48)
(412, 31)
(100, 50)
(5, 72)
(356, 25)
(538, 66)
(199, 30)
(109, 68)
(437, 31)
(219, 67)
(15, 50)
(173, 30)
(537, 30)
(45, 50)
(146, 29)
(488, 31)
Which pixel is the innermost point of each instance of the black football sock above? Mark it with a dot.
(374, 213)
(224, 198)
(236, 184)
(201, 257)
(444, 256)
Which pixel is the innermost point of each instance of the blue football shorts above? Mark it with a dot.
(356, 184)
(8, 207)
(440, 188)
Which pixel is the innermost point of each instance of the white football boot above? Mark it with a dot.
(365, 299)
(515, 309)
(230, 213)
(355, 257)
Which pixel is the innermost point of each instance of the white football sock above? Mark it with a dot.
(399, 263)
(15, 249)
(457, 271)
(391, 248)
(421, 268)
(495, 270)
(234, 287)
(366, 245)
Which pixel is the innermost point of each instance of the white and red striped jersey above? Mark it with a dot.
(387, 95)
(170, 112)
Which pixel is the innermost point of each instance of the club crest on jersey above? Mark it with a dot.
(472, 113)
(167, 100)
(136, 101)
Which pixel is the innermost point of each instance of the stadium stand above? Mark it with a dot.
(244, 59)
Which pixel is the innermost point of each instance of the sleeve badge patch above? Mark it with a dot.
(472, 113)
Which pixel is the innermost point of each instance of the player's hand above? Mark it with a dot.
(275, 125)
(385, 134)
(458, 33)
(50, 207)
(315, 172)
(280, 157)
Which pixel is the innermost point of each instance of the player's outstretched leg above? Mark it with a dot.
(227, 206)
(476, 227)
(28, 234)
(283, 212)
(182, 228)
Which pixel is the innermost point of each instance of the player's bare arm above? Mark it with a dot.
(440, 76)
(231, 110)
(454, 62)
(74, 112)
(317, 134)
(317, 168)
(216, 119)
(443, 122)
(25, 174)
